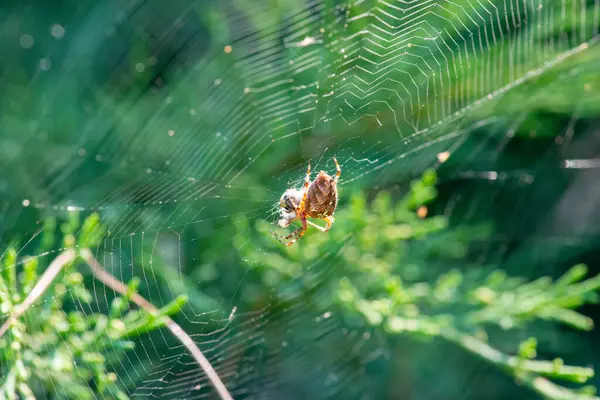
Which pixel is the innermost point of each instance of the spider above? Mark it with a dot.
(317, 199)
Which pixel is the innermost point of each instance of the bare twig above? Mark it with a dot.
(57, 265)
(40, 288)
(111, 281)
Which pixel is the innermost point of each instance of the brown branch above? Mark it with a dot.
(111, 281)
(40, 288)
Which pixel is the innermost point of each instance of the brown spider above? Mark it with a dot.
(317, 199)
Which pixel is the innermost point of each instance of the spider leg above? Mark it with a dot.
(282, 239)
(302, 205)
(307, 178)
(301, 231)
(338, 172)
(316, 226)
(297, 234)
(328, 221)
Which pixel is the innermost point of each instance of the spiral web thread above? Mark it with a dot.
(407, 79)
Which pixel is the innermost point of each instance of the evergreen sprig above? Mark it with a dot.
(460, 306)
(51, 343)
(397, 276)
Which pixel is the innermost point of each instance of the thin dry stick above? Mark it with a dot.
(45, 280)
(112, 282)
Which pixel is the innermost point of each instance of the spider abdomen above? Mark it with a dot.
(319, 200)
(321, 197)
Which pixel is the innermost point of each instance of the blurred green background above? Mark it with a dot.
(180, 125)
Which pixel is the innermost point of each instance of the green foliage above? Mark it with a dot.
(392, 269)
(59, 340)
(397, 276)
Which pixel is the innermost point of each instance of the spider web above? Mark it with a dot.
(250, 92)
